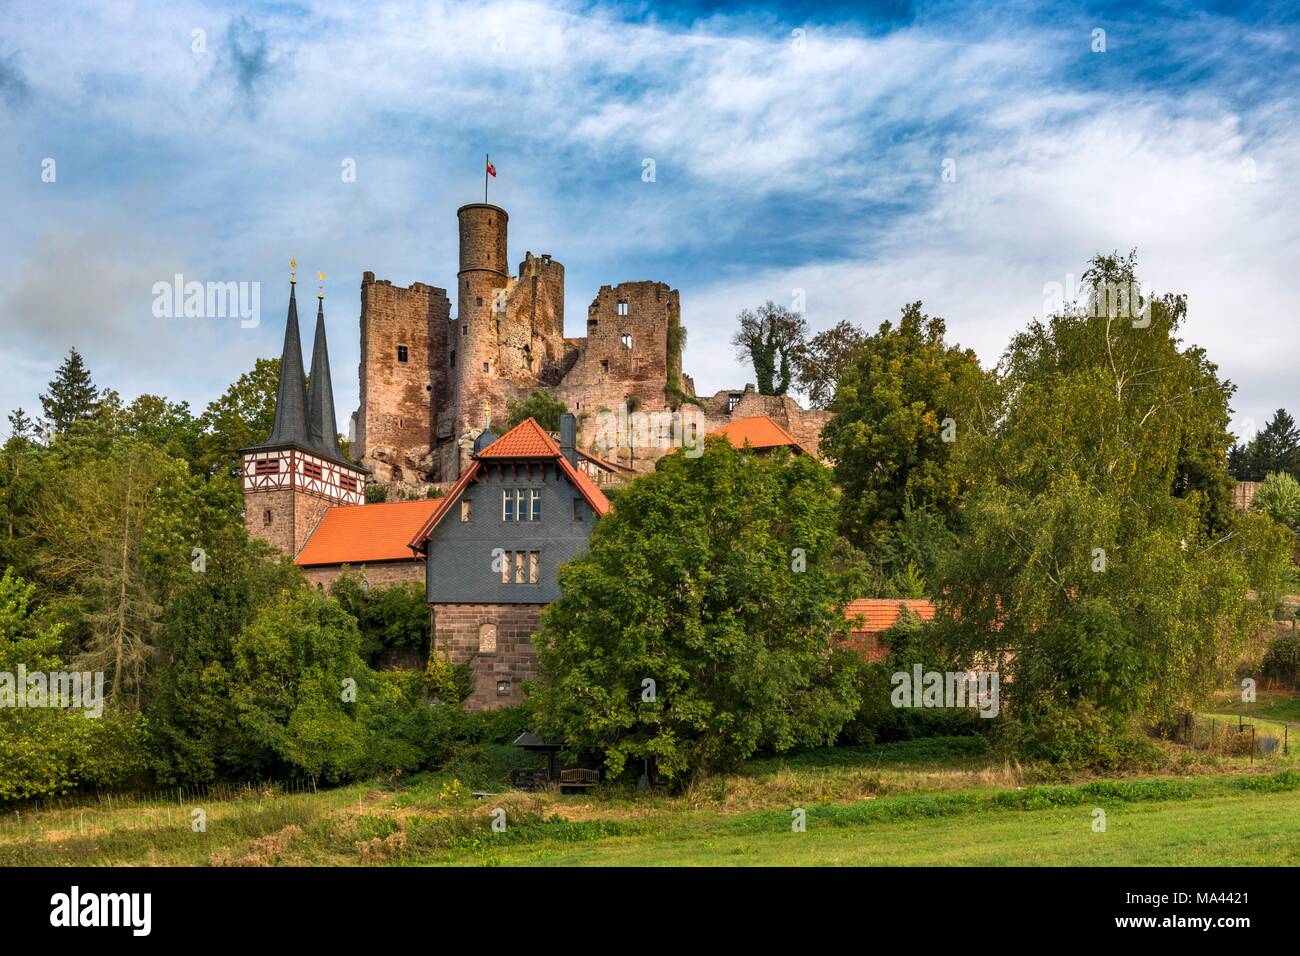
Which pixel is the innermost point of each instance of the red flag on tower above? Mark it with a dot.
(492, 170)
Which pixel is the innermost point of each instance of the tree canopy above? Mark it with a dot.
(700, 625)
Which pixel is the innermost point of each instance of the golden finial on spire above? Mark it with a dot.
(293, 271)
(321, 277)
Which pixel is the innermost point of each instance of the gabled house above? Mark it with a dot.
(492, 549)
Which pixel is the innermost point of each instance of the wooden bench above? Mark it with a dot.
(578, 779)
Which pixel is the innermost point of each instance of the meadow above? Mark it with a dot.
(938, 801)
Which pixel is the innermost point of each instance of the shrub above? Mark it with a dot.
(1282, 659)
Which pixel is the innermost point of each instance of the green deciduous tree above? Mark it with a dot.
(1278, 496)
(242, 417)
(1093, 567)
(904, 402)
(821, 364)
(694, 582)
(46, 751)
(541, 405)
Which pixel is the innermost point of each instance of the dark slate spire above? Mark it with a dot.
(290, 408)
(320, 395)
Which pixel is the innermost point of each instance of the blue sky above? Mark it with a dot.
(796, 146)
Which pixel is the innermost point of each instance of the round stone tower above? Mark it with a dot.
(480, 309)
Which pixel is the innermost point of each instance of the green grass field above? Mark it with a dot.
(933, 802)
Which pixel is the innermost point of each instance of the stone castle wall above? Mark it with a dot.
(417, 419)
(399, 424)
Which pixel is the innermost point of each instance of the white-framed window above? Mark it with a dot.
(622, 306)
(521, 504)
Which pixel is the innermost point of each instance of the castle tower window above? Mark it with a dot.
(401, 353)
(464, 330)
(732, 401)
(478, 300)
(485, 366)
(452, 358)
(622, 306)
(592, 325)
(627, 340)
(604, 365)
(266, 516)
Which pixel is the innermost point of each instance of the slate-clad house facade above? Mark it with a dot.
(492, 550)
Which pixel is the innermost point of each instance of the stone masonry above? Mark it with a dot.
(430, 381)
(497, 641)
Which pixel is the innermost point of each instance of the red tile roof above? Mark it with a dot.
(354, 534)
(758, 431)
(870, 617)
(526, 440)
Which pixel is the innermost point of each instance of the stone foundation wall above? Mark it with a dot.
(498, 641)
(380, 574)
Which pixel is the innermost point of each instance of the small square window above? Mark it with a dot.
(478, 300)
(401, 353)
(464, 509)
(503, 688)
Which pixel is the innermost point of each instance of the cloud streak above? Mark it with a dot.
(783, 160)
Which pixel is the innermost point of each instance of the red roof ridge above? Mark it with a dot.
(526, 440)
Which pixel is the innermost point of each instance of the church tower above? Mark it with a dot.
(299, 472)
